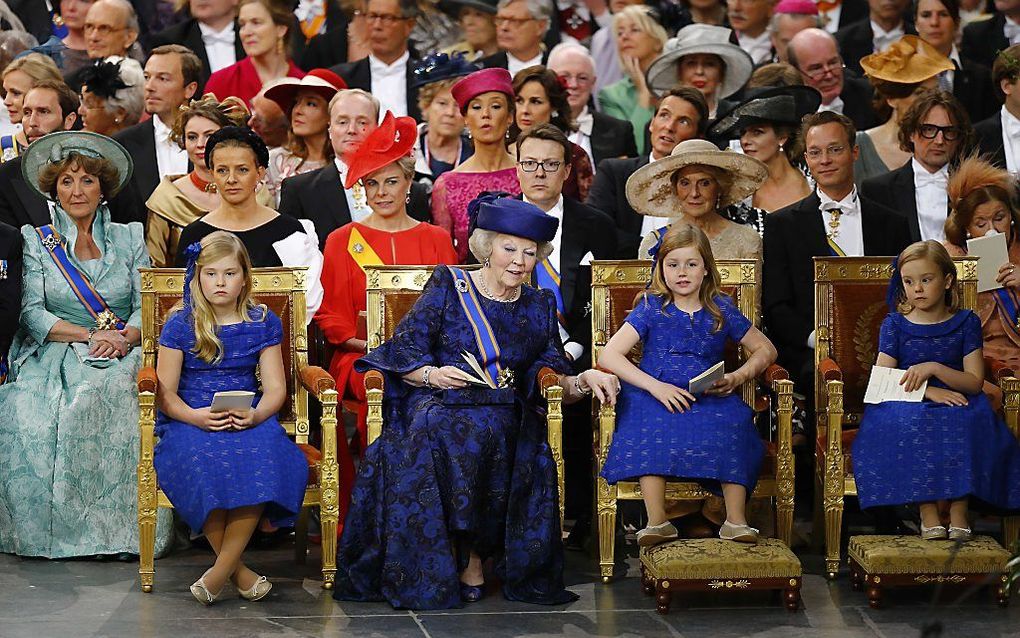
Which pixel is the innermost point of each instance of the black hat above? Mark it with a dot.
(440, 66)
(780, 104)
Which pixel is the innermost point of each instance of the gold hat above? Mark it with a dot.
(910, 60)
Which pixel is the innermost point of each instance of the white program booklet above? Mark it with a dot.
(884, 385)
(706, 379)
(992, 253)
(232, 400)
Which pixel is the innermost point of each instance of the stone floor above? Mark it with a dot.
(43, 599)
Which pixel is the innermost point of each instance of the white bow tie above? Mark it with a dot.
(309, 10)
(844, 209)
(922, 180)
(1012, 32)
(223, 37)
(585, 122)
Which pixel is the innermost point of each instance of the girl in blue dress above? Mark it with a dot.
(664, 432)
(950, 446)
(223, 470)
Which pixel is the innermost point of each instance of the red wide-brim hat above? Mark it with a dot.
(321, 81)
(393, 139)
(484, 81)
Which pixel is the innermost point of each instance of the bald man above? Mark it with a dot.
(815, 54)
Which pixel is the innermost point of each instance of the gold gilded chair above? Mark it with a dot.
(392, 290)
(283, 291)
(615, 286)
(850, 305)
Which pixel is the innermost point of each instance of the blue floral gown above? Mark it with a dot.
(69, 431)
(713, 442)
(200, 471)
(921, 452)
(458, 466)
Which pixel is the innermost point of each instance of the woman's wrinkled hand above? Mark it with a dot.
(945, 397)
(604, 386)
(675, 399)
(210, 421)
(1008, 276)
(446, 378)
(109, 343)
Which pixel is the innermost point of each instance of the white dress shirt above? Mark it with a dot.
(759, 48)
(219, 46)
(1011, 29)
(582, 136)
(513, 65)
(357, 201)
(171, 159)
(882, 39)
(1011, 140)
(389, 84)
(931, 200)
(836, 105)
(850, 235)
(831, 18)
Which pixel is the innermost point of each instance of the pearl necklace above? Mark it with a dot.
(489, 295)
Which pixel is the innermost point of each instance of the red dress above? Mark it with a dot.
(242, 80)
(343, 282)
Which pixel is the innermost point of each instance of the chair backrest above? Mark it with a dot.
(617, 284)
(282, 290)
(850, 305)
(392, 290)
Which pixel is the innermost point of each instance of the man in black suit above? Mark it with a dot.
(543, 164)
(328, 48)
(172, 73)
(843, 14)
(815, 54)
(935, 129)
(319, 195)
(833, 220)
(35, 15)
(211, 32)
(991, 143)
(10, 290)
(50, 106)
(387, 72)
(520, 27)
(884, 25)
(682, 114)
(983, 40)
(600, 135)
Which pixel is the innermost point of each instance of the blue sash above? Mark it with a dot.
(4, 369)
(484, 337)
(8, 148)
(1008, 305)
(834, 249)
(548, 278)
(79, 282)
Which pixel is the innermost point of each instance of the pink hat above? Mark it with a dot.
(484, 81)
(796, 7)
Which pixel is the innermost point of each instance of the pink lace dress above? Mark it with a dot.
(453, 191)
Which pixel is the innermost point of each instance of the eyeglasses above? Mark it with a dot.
(386, 18)
(832, 151)
(817, 72)
(549, 166)
(102, 30)
(510, 22)
(931, 131)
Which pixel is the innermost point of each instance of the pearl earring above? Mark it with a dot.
(555, 113)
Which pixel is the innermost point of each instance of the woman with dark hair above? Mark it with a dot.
(238, 158)
(69, 488)
(541, 99)
(264, 27)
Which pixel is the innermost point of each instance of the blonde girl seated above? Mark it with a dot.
(223, 470)
(663, 432)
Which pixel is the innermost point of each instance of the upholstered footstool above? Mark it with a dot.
(714, 565)
(877, 562)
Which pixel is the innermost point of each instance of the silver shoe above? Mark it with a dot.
(202, 593)
(738, 533)
(258, 591)
(658, 534)
(937, 533)
(960, 534)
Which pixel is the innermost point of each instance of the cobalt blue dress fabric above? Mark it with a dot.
(920, 452)
(456, 469)
(201, 471)
(715, 441)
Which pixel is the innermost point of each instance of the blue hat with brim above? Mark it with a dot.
(500, 213)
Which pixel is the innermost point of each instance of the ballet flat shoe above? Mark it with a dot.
(960, 534)
(937, 533)
(202, 593)
(654, 535)
(738, 533)
(258, 591)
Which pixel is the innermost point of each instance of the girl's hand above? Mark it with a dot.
(242, 419)
(605, 386)
(675, 399)
(1008, 276)
(210, 421)
(917, 375)
(446, 378)
(725, 386)
(945, 397)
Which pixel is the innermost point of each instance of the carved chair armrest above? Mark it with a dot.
(830, 370)
(316, 380)
(773, 373)
(999, 369)
(374, 386)
(147, 381)
(547, 378)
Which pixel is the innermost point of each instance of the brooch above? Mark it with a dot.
(461, 285)
(106, 320)
(358, 248)
(505, 378)
(50, 242)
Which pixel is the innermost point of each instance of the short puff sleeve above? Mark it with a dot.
(735, 324)
(273, 333)
(640, 318)
(888, 337)
(177, 332)
(972, 337)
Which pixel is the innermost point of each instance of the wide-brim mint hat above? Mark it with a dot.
(57, 147)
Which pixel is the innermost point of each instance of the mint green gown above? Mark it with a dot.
(68, 431)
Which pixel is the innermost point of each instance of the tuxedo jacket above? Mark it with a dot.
(20, 204)
(857, 96)
(609, 194)
(10, 284)
(189, 34)
(329, 48)
(358, 75)
(34, 16)
(318, 196)
(140, 141)
(972, 86)
(498, 60)
(983, 40)
(857, 40)
(989, 139)
(896, 190)
(793, 237)
(611, 137)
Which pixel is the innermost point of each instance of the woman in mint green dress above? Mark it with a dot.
(69, 432)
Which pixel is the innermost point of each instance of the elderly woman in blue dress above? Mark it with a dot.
(462, 471)
(68, 439)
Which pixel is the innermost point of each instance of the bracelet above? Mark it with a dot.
(92, 333)
(577, 386)
(425, 376)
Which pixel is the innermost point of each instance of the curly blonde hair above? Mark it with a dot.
(230, 111)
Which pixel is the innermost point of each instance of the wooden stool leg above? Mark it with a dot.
(647, 584)
(856, 582)
(1002, 591)
(875, 592)
(663, 597)
(791, 595)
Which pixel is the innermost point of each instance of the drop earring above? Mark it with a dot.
(407, 200)
(486, 262)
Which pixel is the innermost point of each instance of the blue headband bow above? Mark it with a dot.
(192, 252)
(895, 290)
